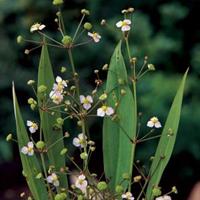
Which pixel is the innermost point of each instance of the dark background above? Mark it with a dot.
(168, 32)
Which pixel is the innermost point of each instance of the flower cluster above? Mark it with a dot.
(57, 92)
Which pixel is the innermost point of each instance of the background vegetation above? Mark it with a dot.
(167, 31)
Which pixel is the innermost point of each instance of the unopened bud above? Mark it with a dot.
(40, 144)
(27, 51)
(60, 121)
(156, 191)
(19, 39)
(63, 151)
(57, 2)
(30, 82)
(102, 185)
(42, 88)
(137, 178)
(103, 22)
(151, 67)
(103, 97)
(39, 176)
(84, 156)
(85, 12)
(87, 26)
(63, 69)
(9, 137)
(119, 189)
(67, 40)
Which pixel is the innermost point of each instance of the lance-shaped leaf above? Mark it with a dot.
(167, 140)
(118, 148)
(52, 136)
(30, 164)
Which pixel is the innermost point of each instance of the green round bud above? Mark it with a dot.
(29, 198)
(119, 189)
(156, 191)
(19, 39)
(57, 2)
(79, 123)
(103, 97)
(102, 185)
(63, 151)
(126, 176)
(121, 81)
(9, 137)
(63, 69)
(87, 26)
(26, 51)
(122, 92)
(67, 40)
(63, 195)
(60, 121)
(58, 197)
(32, 106)
(30, 82)
(40, 144)
(39, 176)
(84, 156)
(31, 101)
(174, 190)
(85, 12)
(80, 197)
(42, 88)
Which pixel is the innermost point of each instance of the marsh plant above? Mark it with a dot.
(58, 99)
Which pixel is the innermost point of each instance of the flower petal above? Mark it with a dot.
(109, 111)
(87, 106)
(76, 142)
(119, 24)
(29, 123)
(100, 112)
(126, 28)
(24, 150)
(90, 99)
(82, 98)
(127, 21)
(158, 125)
(150, 124)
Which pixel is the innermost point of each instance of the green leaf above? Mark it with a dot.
(167, 140)
(30, 164)
(51, 135)
(118, 148)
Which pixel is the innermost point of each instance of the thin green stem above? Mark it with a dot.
(78, 27)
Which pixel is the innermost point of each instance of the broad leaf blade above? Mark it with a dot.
(30, 164)
(118, 150)
(46, 77)
(167, 140)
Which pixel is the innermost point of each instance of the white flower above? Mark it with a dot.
(37, 27)
(165, 197)
(61, 84)
(95, 36)
(86, 101)
(28, 150)
(81, 183)
(57, 97)
(154, 122)
(80, 141)
(33, 127)
(128, 196)
(104, 110)
(124, 25)
(53, 178)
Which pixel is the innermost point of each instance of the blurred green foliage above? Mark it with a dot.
(162, 31)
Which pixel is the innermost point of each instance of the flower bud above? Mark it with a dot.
(60, 121)
(156, 191)
(29, 198)
(130, 10)
(137, 179)
(174, 190)
(57, 2)
(92, 148)
(61, 196)
(30, 82)
(126, 176)
(63, 151)
(85, 12)
(31, 101)
(103, 97)
(67, 40)
(63, 69)
(87, 26)
(26, 51)
(122, 92)
(119, 189)
(32, 106)
(80, 197)
(103, 22)
(102, 185)
(121, 81)
(19, 39)
(39, 176)
(84, 156)
(9, 137)
(42, 88)
(105, 67)
(79, 123)
(40, 144)
(151, 67)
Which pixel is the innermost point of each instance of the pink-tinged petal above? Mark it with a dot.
(150, 124)
(96, 39)
(81, 177)
(29, 123)
(24, 150)
(32, 130)
(49, 179)
(81, 136)
(89, 98)
(86, 106)
(119, 24)
(90, 34)
(126, 28)
(109, 111)
(30, 144)
(76, 142)
(100, 112)
(127, 21)
(158, 125)
(167, 197)
(82, 98)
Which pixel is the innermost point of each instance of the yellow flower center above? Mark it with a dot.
(154, 119)
(124, 23)
(34, 125)
(85, 101)
(30, 149)
(104, 108)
